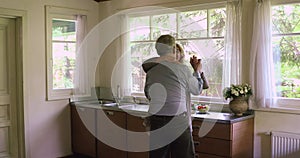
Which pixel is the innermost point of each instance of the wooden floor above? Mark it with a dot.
(76, 156)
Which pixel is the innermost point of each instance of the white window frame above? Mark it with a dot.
(59, 13)
(206, 99)
(286, 103)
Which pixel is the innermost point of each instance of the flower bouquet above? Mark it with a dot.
(239, 95)
(234, 91)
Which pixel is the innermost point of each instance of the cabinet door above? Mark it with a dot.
(212, 146)
(83, 141)
(106, 130)
(135, 123)
(243, 133)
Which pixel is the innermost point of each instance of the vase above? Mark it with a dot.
(238, 105)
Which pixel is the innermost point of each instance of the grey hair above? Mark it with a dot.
(165, 44)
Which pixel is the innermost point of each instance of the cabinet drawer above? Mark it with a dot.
(218, 130)
(135, 124)
(106, 130)
(110, 124)
(212, 146)
(118, 118)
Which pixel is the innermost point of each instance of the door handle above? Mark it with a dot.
(196, 143)
(111, 113)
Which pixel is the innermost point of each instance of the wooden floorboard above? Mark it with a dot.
(76, 156)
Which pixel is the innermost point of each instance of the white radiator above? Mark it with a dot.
(285, 145)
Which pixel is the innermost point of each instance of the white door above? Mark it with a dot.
(8, 113)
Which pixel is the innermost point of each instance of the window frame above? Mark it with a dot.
(64, 14)
(282, 102)
(217, 100)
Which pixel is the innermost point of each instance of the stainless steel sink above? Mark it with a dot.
(107, 103)
(134, 107)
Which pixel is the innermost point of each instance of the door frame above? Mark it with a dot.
(21, 47)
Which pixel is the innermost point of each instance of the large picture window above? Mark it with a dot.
(286, 49)
(199, 31)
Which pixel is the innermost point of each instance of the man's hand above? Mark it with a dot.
(196, 64)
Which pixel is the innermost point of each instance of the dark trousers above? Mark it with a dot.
(181, 147)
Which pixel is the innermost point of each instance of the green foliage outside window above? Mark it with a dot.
(194, 30)
(63, 53)
(286, 49)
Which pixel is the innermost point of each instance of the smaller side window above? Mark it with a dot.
(61, 51)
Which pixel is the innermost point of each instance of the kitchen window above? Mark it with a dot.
(286, 51)
(61, 27)
(199, 30)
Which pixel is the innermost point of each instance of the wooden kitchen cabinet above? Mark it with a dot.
(230, 137)
(105, 130)
(234, 140)
(83, 141)
(135, 123)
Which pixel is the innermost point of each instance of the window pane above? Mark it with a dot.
(185, 27)
(139, 53)
(286, 50)
(285, 18)
(217, 22)
(140, 29)
(163, 24)
(193, 24)
(63, 57)
(211, 53)
(63, 30)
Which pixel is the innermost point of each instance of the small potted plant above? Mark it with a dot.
(239, 95)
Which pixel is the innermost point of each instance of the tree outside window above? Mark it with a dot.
(200, 32)
(286, 49)
(63, 53)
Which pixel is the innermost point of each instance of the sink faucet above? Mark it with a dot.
(118, 91)
(117, 97)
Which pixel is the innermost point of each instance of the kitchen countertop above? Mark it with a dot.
(223, 117)
(141, 110)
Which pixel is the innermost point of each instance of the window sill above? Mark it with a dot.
(199, 99)
(210, 102)
(279, 110)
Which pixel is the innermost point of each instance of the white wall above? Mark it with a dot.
(272, 121)
(47, 123)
